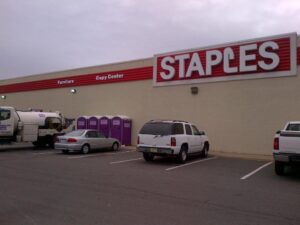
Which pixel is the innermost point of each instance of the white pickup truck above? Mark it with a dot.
(286, 148)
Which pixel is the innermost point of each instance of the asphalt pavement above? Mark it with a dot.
(46, 187)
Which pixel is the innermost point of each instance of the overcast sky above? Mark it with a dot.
(40, 36)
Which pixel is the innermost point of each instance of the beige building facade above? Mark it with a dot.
(239, 115)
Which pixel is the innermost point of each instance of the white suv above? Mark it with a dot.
(171, 138)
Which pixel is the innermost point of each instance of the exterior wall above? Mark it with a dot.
(238, 116)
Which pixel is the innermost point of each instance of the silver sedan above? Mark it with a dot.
(85, 141)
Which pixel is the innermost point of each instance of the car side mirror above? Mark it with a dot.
(201, 133)
(278, 132)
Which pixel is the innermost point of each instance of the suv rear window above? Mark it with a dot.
(157, 129)
(160, 128)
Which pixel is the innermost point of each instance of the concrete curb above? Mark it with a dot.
(129, 147)
(16, 146)
(229, 154)
(242, 156)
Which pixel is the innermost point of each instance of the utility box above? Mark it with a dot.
(105, 125)
(82, 122)
(121, 127)
(29, 132)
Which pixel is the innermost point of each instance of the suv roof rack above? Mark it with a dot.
(166, 120)
(180, 121)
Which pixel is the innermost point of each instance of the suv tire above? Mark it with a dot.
(182, 156)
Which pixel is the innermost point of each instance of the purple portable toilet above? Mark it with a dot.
(105, 125)
(93, 122)
(82, 122)
(126, 131)
(121, 129)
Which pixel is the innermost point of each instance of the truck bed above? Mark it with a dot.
(289, 141)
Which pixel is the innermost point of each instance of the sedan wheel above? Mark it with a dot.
(85, 149)
(115, 146)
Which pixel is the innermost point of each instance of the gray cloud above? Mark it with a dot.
(51, 35)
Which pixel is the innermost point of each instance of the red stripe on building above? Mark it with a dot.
(144, 73)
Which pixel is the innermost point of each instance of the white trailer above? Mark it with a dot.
(40, 128)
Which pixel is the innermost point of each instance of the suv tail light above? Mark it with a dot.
(173, 141)
(72, 140)
(276, 143)
(138, 140)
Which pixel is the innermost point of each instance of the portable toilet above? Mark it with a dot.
(121, 129)
(105, 125)
(82, 122)
(126, 131)
(93, 122)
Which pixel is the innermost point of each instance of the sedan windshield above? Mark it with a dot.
(75, 133)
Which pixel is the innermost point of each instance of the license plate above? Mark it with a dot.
(153, 149)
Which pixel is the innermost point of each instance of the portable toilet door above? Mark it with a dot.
(82, 122)
(105, 125)
(116, 128)
(93, 123)
(126, 131)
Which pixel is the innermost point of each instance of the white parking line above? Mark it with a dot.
(255, 171)
(44, 153)
(81, 156)
(103, 154)
(187, 164)
(128, 151)
(123, 161)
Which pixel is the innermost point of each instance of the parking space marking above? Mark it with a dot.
(128, 151)
(188, 164)
(44, 153)
(255, 171)
(81, 156)
(123, 161)
(93, 155)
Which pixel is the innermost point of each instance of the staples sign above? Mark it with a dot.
(259, 58)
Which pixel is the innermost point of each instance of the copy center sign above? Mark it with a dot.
(260, 58)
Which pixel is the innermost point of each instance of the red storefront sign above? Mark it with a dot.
(81, 80)
(260, 58)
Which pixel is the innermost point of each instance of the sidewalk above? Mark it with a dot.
(242, 156)
(16, 146)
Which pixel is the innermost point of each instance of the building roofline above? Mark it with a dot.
(76, 69)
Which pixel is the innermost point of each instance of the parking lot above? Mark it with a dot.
(42, 186)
